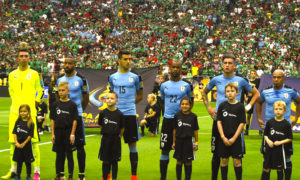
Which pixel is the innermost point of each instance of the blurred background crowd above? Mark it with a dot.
(263, 34)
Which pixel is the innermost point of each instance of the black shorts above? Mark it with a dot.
(131, 133)
(235, 150)
(166, 136)
(184, 150)
(215, 138)
(151, 124)
(110, 149)
(24, 155)
(62, 141)
(80, 133)
(274, 158)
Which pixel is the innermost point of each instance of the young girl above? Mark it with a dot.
(23, 132)
(111, 122)
(278, 137)
(186, 126)
(152, 111)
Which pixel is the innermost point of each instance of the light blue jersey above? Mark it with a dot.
(221, 81)
(171, 93)
(78, 86)
(270, 96)
(126, 85)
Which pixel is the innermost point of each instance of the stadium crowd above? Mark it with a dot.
(263, 33)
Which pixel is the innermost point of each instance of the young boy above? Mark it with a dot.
(278, 137)
(230, 120)
(111, 122)
(63, 117)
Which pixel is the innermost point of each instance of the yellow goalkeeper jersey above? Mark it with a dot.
(24, 88)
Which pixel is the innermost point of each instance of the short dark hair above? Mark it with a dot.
(229, 55)
(121, 52)
(188, 99)
(113, 92)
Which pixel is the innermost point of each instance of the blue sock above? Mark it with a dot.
(132, 149)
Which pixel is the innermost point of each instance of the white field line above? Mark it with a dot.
(40, 144)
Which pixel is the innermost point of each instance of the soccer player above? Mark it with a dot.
(270, 95)
(24, 88)
(278, 136)
(219, 82)
(129, 88)
(64, 118)
(79, 94)
(172, 91)
(254, 82)
(231, 118)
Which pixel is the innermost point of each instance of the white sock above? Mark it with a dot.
(37, 170)
(14, 168)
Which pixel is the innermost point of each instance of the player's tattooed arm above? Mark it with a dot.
(210, 110)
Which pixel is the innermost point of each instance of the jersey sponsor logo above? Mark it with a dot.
(286, 95)
(58, 111)
(76, 83)
(29, 76)
(225, 114)
(276, 132)
(182, 88)
(21, 130)
(130, 79)
(106, 121)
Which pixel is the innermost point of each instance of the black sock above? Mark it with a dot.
(28, 168)
(265, 175)
(215, 164)
(247, 126)
(143, 129)
(70, 163)
(114, 169)
(288, 171)
(178, 171)
(163, 169)
(134, 162)
(60, 163)
(238, 172)
(224, 172)
(280, 174)
(81, 159)
(19, 169)
(105, 170)
(188, 171)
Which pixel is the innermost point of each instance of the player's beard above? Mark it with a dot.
(69, 71)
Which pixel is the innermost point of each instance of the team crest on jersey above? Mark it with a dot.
(76, 83)
(182, 88)
(286, 95)
(130, 79)
(236, 83)
(29, 76)
(141, 84)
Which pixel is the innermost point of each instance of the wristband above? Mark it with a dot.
(248, 107)
(72, 135)
(222, 137)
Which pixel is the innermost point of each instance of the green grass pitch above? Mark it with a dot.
(149, 153)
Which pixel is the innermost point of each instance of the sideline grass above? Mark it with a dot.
(149, 153)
